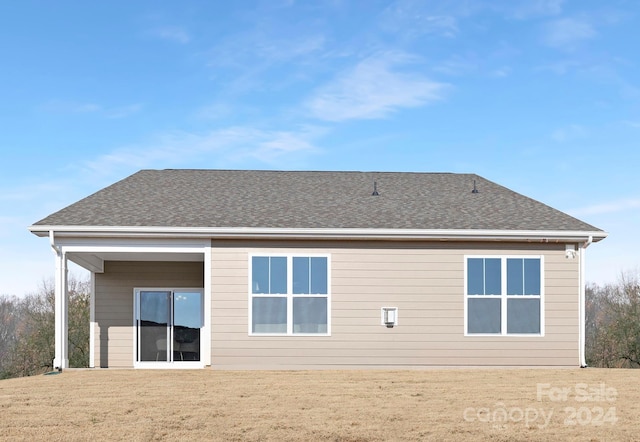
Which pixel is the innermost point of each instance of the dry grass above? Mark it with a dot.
(376, 405)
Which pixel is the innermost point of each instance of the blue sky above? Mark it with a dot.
(541, 96)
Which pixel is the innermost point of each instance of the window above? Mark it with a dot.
(504, 296)
(289, 295)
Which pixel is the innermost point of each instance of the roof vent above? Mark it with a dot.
(475, 189)
(375, 189)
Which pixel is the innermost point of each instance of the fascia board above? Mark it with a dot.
(316, 233)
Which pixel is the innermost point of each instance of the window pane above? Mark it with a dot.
(483, 315)
(532, 276)
(475, 276)
(309, 315)
(319, 276)
(492, 276)
(523, 315)
(300, 275)
(155, 308)
(154, 318)
(260, 274)
(278, 278)
(269, 315)
(515, 277)
(187, 321)
(187, 309)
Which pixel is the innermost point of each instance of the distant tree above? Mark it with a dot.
(613, 323)
(79, 322)
(10, 320)
(600, 346)
(33, 353)
(31, 349)
(624, 304)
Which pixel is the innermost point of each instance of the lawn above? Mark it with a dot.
(351, 405)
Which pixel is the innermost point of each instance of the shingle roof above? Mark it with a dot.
(279, 199)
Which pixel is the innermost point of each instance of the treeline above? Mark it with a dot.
(613, 323)
(27, 327)
(27, 330)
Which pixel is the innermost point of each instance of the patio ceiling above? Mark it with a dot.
(94, 261)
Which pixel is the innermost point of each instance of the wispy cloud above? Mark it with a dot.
(526, 9)
(411, 19)
(568, 133)
(223, 146)
(123, 111)
(562, 67)
(634, 124)
(39, 195)
(608, 208)
(10, 224)
(374, 88)
(456, 65)
(566, 33)
(284, 50)
(501, 72)
(174, 34)
(216, 111)
(70, 107)
(31, 191)
(280, 144)
(607, 72)
(243, 61)
(611, 74)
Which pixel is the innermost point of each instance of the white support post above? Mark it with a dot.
(207, 326)
(92, 322)
(61, 360)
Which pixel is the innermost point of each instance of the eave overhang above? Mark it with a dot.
(553, 236)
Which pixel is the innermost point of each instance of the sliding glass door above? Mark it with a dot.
(168, 325)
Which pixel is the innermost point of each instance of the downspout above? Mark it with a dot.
(52, 241)
(582, 302)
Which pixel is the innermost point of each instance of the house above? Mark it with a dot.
(274, 269)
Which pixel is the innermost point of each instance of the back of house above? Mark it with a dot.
(275, 269)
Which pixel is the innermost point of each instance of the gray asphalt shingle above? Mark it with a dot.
(282, 199)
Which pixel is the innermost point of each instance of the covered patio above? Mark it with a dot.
(184, 309)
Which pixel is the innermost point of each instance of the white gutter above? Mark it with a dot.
(582, 304)
(323, 234)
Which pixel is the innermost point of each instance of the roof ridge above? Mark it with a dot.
(309, 171)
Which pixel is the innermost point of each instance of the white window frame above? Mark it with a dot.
(504, 297)
(289, 295)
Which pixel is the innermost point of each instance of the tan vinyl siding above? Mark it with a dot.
(114, 333)
(424, 280)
